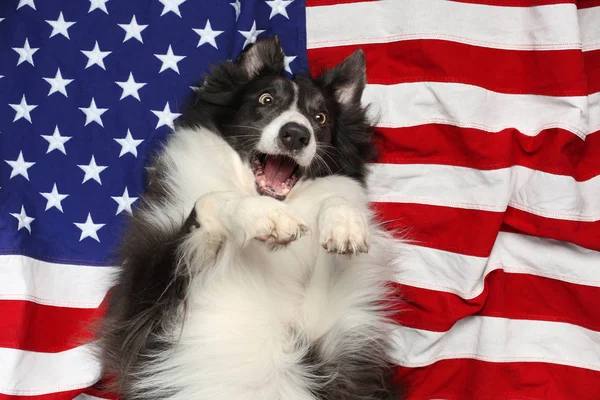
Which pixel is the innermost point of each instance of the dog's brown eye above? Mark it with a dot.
(265, 99)
(321, 118)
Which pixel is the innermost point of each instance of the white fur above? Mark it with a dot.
(239, 341)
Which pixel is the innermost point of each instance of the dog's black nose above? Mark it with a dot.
(294, 136)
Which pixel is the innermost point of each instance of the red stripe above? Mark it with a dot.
(315, 3)
(25, 325)
(588, 3)
(466, 379)
(516, 3)
(473, 232)
(555, 151)
(584, 234)
(552, 73)
(70, 395)
(505, 295)
(592, 67)
(443, 228)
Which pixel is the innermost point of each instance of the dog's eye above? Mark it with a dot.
(265, 99)
(321, 118)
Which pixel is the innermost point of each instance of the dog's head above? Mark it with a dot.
(287, 130)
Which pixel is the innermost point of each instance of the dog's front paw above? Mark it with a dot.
(270, 221)
(344, 230)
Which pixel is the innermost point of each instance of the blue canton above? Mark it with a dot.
(88, 88)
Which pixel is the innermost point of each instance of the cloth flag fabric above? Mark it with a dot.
(489, 137)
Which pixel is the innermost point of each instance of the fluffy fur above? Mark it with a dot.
(227, 294)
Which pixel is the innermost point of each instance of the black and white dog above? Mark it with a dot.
(205, 307)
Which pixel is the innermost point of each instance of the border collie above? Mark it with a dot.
(253, 268)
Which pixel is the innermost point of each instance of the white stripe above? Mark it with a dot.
(464, 275)
(418, 103)
(589, 23)
(537, 192)
(594, 111)
(500, 340)
(62, 285)
(519, 28)
(29, 373)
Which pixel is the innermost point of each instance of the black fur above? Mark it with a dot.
(150, 295)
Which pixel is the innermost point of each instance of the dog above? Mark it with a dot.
(253, 267)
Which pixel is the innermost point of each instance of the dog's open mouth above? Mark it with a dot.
(275, 175)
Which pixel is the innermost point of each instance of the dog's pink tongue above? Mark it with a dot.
(278, 169)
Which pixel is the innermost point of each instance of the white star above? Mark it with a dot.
(286, 63)
(169, 60)
(54, 199)
(93, 113)
(92, 171)
(95, 56)
(133, 30)
(124, 202)
(237, 6)
(29, 3)
(23, 109)
(89, 229)
(19, 166)
(56, 141)
(60, 26)
(58, 84)
(130, 87)
(128, 144)
(98, 4)
(24, 220)
(250, 35)
(171, 5)
(207, 35)
(165, 117)
(25, 53)
(279, 7)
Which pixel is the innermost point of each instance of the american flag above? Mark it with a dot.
(489, 133)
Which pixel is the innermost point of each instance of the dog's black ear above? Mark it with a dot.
(264, 57)
(347, 80)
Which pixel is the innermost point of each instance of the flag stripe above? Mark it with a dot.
(592, 66)
(314, 3)
(436, 226)
(516, 3)
(540, 193)
(468, 379)
(588, 21)
(550, 73)
(386, 21)
(67, 395)
(554, 151)
(464, 275)
(24, 326)
(61, 285)
(581, 233)
(474, 107)
(84, 396)
(588, 3)
(505, 295)
(26, 373)
(500, 340)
